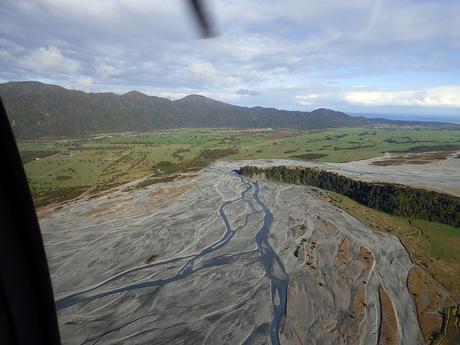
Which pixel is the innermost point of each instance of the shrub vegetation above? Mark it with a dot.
(387, 197)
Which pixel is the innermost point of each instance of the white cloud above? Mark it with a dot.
(50, 60)
(203, 71)
(263, 55)
(206, 72)
(106, 71)
(4, 54)
(85, 83)
(306, 99)
(443, 96)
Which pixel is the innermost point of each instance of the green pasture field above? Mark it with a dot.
(61, 169)
(347, 144)
(444, 240)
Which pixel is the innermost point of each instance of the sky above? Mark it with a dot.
(399, 58)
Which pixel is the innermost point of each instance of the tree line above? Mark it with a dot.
(387, 197)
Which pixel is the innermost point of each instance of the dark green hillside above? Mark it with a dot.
(41, 110)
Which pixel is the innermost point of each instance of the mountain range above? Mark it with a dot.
(41, 110)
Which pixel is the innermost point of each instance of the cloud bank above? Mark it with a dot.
(292, 54)
(446, 96)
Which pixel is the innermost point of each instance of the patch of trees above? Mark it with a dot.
(309, 156)
(406, 140)
(387, 197)
(99, 148)
(63, 177)
(367, 133)
(29, 156)
(203, 159)
(336, 148)
(417, 149)
(177, 153)
(42, 198)
(148, 182)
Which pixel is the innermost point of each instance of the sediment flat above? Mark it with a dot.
(185, 262)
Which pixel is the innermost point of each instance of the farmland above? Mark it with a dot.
(60, 169)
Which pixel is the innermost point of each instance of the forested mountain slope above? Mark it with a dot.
(41, 110)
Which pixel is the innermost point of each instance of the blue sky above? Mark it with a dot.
(359, 56)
